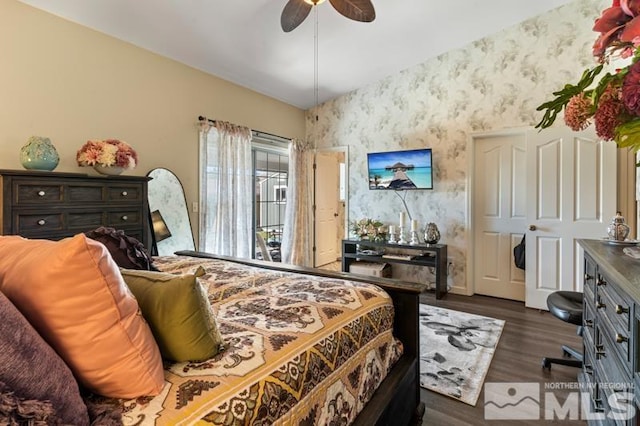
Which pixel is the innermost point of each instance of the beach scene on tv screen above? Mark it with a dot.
(400, 170)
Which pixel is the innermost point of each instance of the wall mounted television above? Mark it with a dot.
(400, 170)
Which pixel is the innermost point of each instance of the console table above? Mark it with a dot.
(426, 255)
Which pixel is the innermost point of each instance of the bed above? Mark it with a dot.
(304, 346)
(46, 205)
(300, 346)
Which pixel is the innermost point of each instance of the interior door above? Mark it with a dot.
(327, 195)
(571, 188)
(499, 213)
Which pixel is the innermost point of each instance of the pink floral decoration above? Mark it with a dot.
(578, 112)
(107, 153)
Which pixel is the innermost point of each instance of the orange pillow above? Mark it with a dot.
(73, 294)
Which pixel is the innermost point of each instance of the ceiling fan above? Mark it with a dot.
(295, 11)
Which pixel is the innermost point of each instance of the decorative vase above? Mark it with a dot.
(108, 170)
(39, 154)
(618, 230)
(431, 233)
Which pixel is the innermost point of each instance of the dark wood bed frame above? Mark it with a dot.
(397, 400)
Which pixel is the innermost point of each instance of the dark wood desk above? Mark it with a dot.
(426, 255)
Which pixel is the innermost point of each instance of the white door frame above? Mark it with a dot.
(344, 149)
(469, 288)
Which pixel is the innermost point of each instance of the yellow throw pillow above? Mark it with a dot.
(178, 312)
(72, 293)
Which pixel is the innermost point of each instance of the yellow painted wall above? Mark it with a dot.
(69, 83)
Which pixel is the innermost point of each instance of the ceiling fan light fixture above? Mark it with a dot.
(295, 11)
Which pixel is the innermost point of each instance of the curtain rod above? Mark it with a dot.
(255, 132)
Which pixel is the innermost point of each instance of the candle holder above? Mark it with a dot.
(392, 236)
(401, 239)
(414, 238)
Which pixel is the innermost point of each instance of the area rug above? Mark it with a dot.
(456, 349)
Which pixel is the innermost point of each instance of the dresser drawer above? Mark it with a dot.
(86, 193)
(29, 193)
(608, 361)
(588, 320)
(129, 217)
(55, 192)
(589, 355)
(617, 336)
(613, 395)
(589, 282)
(124, 193)
(616, 308)
(36, 193)
(27, 223)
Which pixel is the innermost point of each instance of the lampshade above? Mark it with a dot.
(160, 228)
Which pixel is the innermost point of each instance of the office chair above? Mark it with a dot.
(567, 306)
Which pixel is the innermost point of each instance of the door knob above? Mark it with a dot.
(335, 215)
(532, 228)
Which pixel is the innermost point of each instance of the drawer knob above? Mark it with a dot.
(42, 222)
(588, 323)
(621, 310)
(588, 277)
(125, 217)
(620, 338)
(41, 193)
(587, 368)
(601, 282)
(125, 193)
(600, 305)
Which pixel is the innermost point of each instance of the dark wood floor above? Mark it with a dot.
(528, 336)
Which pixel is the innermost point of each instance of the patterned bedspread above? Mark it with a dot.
(300, 350)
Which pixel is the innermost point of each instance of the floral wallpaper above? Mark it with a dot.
(493, 83)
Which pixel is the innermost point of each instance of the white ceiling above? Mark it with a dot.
(241, 40)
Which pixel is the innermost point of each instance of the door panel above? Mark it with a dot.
(327, 198)
(499, 213)
(572, 188)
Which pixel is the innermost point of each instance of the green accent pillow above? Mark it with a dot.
(178, 312)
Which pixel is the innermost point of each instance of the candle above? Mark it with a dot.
(403, 218)
(392, 230)
(414, 225)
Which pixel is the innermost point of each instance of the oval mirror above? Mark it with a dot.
(171, 226)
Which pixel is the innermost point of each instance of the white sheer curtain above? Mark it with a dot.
(297, 234)
(226, 181)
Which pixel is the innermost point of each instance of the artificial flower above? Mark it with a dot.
(614, 102)
(107, 153)
(578, 112)
(372, 229)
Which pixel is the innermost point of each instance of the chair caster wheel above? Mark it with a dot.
(546, 364)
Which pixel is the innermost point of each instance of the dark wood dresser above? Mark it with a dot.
(611, 327)
(38, 204)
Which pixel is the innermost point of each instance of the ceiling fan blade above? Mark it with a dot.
(294, 12)
(358, 10)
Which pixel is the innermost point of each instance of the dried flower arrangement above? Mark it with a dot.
(107, 153)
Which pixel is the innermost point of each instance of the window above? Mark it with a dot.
(270, 170)
(280, 194)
